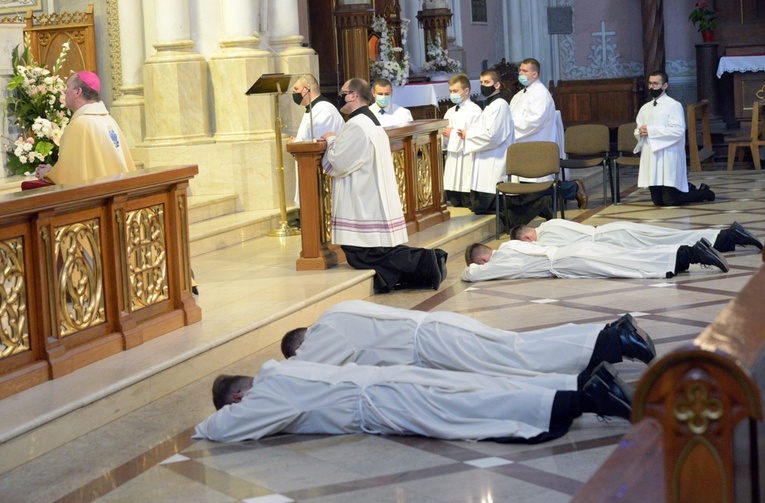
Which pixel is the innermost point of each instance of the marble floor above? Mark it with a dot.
(147, 454)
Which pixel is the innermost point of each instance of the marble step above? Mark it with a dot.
(232, 229)
(207, 207)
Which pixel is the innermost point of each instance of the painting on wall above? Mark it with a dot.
(19, 6)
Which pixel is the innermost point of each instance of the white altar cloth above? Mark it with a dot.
(429, 93)
(733, 64)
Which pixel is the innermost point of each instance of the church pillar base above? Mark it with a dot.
(129, 113)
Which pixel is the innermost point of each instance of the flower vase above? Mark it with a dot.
(708, 36)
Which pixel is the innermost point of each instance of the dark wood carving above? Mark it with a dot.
(611, 102)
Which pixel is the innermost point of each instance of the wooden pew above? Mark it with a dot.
(611, 102)
(699, 112)
(686, 435)
(90, 270)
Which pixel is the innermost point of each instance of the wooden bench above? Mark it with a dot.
(699, 112)
(611, 102)
(687, 440)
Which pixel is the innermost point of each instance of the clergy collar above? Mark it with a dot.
(317, 100)
(493, 98)
(364, 111)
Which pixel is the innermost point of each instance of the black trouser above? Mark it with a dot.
(458, 199)
(566, 407)
(662, 195)
(482, 203)
(400, 265)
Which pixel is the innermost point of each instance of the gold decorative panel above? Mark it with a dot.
(146, 252)
(14, 332)
(325, 202)
(697, 408)
(424, 180)
(399, 166)
(80, 295)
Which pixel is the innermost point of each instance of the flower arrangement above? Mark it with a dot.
(438, 58)
(37, 102)
(389, 66)
(703, 16)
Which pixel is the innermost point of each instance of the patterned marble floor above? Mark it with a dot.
(148, 455)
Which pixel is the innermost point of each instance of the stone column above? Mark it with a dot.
(234, 68)
(654, 56)
(454, 33)
(175, 82)
(128, 108)
(352, 20)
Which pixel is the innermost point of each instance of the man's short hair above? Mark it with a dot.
(517, 231)
(292, 341)
(663, 75)
(494, 74)
(472, 251)
(533, 62)
(383, 83)
(361, 87)
(88, 93)
(460, 79)
(307, 80)
(224, 388)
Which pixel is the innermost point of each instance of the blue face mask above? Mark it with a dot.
(524, 80)
(456, 98)
(382, 100)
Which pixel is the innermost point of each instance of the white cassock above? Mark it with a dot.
(559, 232)
(533, 111)
(394, 115)
(518, 259)
(326, 119)
(662, 152)
(488, 140)
(370, 334)
(366, 208)
(459, 165)
(315, 398)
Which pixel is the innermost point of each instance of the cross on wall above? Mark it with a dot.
(603, 34)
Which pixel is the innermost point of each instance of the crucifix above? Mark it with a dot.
(603, 34)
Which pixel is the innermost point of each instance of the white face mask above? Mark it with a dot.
(456, 98)
(382, 100)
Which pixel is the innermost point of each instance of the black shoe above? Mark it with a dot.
(636, 343)
(441, 256)
(704, 254)
(429, 270)
(607, 374)
(195, 290)
(611, 396)
(709, 195)
(743, 237)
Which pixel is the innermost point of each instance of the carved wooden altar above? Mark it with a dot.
(90, 270)
(418, 163)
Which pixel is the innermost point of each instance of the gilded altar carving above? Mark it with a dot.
(80, 294)
(696, 409)
(14, 331)
(399, 166)
(424, 179)
(325, 196)
(146, 256)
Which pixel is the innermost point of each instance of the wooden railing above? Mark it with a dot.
(611, 102)
(690, 441)
(418, 163)
(90, 270)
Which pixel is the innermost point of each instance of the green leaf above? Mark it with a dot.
(44, 147)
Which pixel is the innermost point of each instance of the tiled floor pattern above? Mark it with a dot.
(148, 456)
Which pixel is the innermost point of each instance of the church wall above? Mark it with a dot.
(482, 41)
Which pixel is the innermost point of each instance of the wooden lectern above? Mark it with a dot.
(276, 84)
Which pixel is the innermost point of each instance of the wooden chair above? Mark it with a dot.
(534, 159)
(587, 146)
(699, 111)
(625, 145)
(754, 140)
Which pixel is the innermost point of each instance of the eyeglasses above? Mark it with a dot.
(346, 93)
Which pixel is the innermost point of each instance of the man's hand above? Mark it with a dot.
(41, 170)
(291, 140)
(447, 131)
(461, 133)
(643, 130)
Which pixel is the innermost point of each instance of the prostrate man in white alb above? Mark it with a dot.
(370, 334)
(518, 259)
(316, 398)
(367, 218)
(488, 140)
(533, 112)
(320, 113)
(560, 232)
(458, 166)
(387, 112)
(661, 142)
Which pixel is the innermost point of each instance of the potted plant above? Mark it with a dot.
(704, 19)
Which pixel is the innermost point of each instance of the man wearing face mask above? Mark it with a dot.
(319, 113)
(367, 218)
(488, 140)
(388, 113)
(533, 112)
(661, 142)
(459, 165)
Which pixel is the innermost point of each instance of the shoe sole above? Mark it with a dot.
(628, 318)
